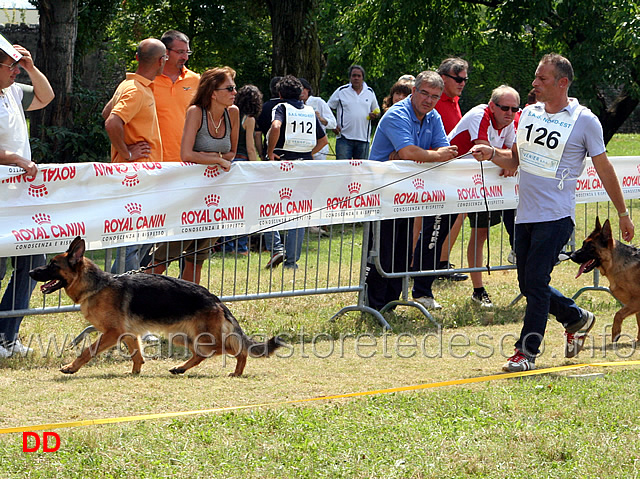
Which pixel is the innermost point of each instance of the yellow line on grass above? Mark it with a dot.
(418, 387)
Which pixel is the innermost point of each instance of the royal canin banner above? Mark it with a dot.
(117, 204)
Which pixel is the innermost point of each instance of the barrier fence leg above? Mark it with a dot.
(362, 286)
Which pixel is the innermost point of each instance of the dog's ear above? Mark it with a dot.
(75, 253)
(607, 235)
(598, 226)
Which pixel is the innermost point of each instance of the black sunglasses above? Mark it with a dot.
(228, 88)
(457, 79)
(514, 109)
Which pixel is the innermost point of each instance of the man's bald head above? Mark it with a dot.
(149, 51)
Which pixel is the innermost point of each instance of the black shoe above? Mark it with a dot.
(451, 276)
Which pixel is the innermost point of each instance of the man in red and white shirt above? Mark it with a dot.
(454, 73)
(491, 125)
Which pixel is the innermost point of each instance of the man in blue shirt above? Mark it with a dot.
(411, 130)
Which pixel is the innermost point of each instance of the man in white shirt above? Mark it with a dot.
(554, 137)
(356, 105)
(15, 98)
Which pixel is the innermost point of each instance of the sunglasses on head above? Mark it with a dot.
(514, 109)
(457, 79)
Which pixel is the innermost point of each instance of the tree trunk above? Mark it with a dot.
(56, 46)
(613, 117)
(296, 48)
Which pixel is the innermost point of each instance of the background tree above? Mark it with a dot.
(58, 31)
(320, 39)
(503, 41)
(296, 48)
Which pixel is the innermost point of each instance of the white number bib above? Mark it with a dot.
(542, 138)
(300, 132)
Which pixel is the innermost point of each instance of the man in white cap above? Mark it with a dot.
(15, 98)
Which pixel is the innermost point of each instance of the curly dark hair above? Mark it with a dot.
(249, 101)
(290, 88)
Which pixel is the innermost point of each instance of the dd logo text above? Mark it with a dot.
(31, 442)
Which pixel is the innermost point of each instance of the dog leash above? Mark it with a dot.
(309, 400)
(295, 218)
(486, 206)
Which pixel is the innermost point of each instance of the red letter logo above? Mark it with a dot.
(25, 441)
(45, 442)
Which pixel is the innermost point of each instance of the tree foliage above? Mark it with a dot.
(233, 32)
(502, 39)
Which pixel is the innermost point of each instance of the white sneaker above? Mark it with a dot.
(4, 353)
(18, 348)
(150, 338)
(428, 302)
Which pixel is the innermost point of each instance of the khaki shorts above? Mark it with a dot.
(172, 250)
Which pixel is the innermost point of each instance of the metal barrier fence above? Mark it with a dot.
(333, 260)
(495, 249)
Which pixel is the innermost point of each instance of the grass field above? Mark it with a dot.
(561, 424)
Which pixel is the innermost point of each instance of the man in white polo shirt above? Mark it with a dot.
(554, 137)
(356, 105)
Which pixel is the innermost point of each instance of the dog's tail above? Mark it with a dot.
(264, 349)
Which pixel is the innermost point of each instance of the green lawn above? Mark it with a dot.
(624, 145)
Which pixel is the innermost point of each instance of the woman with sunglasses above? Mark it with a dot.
(209, 137)
(211, 128)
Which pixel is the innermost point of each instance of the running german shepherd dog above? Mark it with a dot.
(122, 307)
(620, 263)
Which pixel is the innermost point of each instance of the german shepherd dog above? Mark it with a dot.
(123, 307)
(620, 263)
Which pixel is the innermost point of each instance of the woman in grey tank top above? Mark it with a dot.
(210, 135)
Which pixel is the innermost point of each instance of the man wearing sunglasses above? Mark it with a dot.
(491, 125)
(15, 98)
(454, 75)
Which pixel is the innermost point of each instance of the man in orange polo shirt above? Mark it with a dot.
(132, 124)
(174, 89)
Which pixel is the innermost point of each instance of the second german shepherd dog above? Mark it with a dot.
(122, 307)
(620, 263)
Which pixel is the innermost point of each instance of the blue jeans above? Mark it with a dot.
(241, 243)
(132, 256)
(537, 246)
(272, 242)
(18, 294)
(293, 246)
(348, 149)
